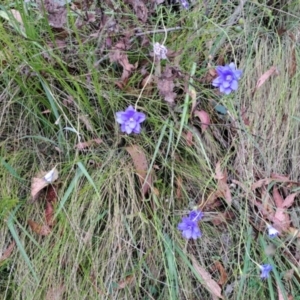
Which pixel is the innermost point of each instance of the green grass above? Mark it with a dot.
(109, 241)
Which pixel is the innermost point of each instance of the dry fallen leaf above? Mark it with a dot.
(166, 85)
(204, 118)
(6, 254)
(141, 165)
(207, 280)
(223, 275)
(119, 55)
(223, 189)
(40, 182)
(265, 76)
(43, 230)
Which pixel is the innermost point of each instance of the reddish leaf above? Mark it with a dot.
(141, 165)
(277, 197)
(43, 230)
(260, 183)
(204, 118)
(49, 213)
(207, 280)
(6, 254)
(223, 275)
(289, 200)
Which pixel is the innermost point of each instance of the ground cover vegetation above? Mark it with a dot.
(149, 149)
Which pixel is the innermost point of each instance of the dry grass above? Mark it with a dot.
(108, 241)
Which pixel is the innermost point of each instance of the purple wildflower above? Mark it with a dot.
(228, 78)
(265, 271)
(130, 120)
(189, 228)
(272, 232)
(185, 4)
(195, 215)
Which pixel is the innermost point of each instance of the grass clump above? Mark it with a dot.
(107, 227)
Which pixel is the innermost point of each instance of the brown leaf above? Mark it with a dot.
(204, 118)
(207, 280)
(141, 165)
(265, 76)
(40, 182)
(178, 187)
(139, 8)
(118, 55)
(223, 275)
(6, 254)
(223, 189)
(43, 230)
(166, 85)
(293, 59)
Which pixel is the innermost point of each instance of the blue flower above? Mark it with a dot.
(189, 228)
(185, 4)
(228, 78)
(272, 232)
(265, 271)
(130, 120)
(195, 215)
